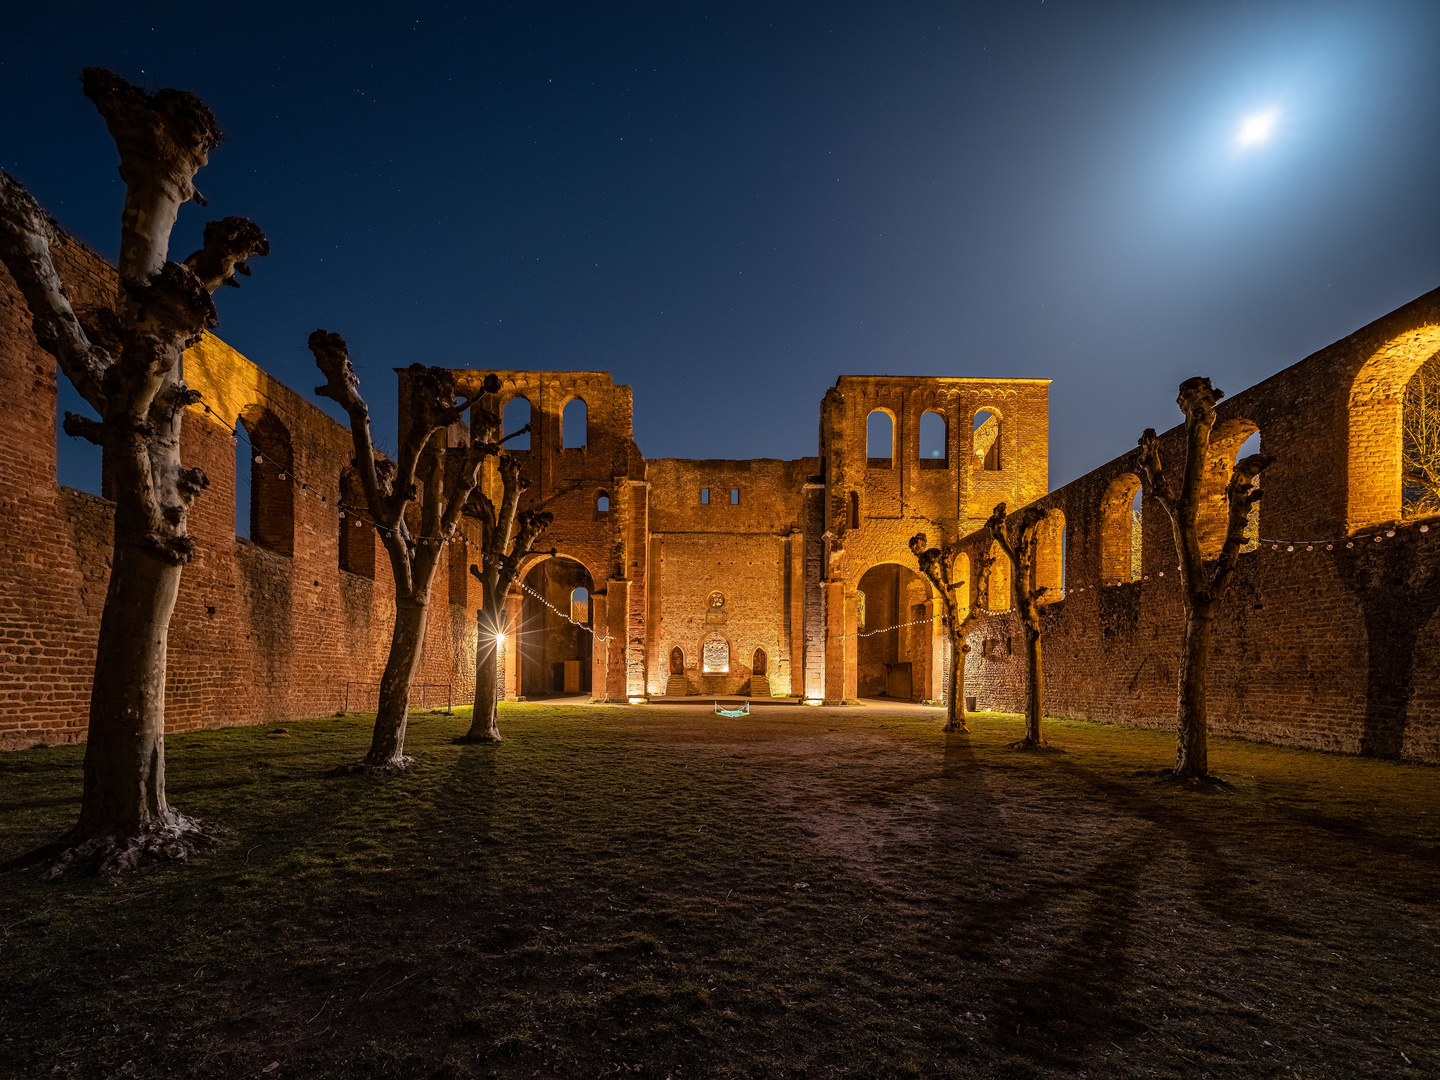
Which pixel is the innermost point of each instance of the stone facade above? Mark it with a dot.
(792, 578)
(1329, 637)
(756, 565)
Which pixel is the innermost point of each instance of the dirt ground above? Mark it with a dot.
(805, 892)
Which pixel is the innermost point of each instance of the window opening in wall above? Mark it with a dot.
(357, 545)
(580, 604)
(734, 496)
(1137, 517)
(879, 439)
(516, 416)
(933, 450)
(244, 474)
(1420, 442)
(854, 509)
(987, 441)
(574, 424)
(705, 496)
(1252, 522)
(78, 462)
(602, 503)
(265, 507)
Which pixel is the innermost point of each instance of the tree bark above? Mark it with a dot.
(125, 362)
(1192, 737)
(955, 719)
(124, 815)
(1034, 687)
(1202, 585)
(387, 743)
(485, 724)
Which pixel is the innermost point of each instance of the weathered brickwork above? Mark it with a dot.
(1328, 645)
(264, 629)
(780, 577)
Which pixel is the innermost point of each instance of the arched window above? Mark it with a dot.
(580, 604)
(602, 503)
(987, 441)
(517, 415)
(1252, 524)
(1420, 442)
(78, 461)
(995, 589)
(270, 519)
(1213, 519)
(934, 448)
(1375, 485)
(574, 424)
(879, 439)
(1120, 531)
(1049, 568)
(357, 539)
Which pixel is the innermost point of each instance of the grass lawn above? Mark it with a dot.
(666, 893)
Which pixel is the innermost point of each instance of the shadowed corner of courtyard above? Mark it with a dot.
(803, 892)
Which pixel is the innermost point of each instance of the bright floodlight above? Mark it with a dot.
(1257, 128)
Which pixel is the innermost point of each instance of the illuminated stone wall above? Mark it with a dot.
(1333, 644)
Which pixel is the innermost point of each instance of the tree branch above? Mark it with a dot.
(26, 233)
(228, 243)
(82, 427)
(164, 139)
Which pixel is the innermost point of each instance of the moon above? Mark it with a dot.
(1257, 128)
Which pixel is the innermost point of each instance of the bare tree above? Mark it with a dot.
(1028, 599)
(414, 542)
(125, 362)
(1421, 443)
(938, 564)
(1203, 583)
(508, 535)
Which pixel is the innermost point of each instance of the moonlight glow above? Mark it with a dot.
(1257, 128)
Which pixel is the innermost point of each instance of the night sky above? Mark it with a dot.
(729, 205)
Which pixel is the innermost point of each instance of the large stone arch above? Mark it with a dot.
(1375, 408)
(897, 650)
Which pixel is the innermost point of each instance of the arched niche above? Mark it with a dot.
(1374, 481)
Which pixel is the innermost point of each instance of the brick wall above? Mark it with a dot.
(264, 629)
(1333, 646)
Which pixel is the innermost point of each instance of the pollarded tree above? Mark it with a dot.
(1029, 598)
(938, 564)
(125, 362)
(415, 543)
(507, 535)
(1203, 583)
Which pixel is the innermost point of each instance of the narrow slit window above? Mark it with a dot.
(704, 496)
(734, 496)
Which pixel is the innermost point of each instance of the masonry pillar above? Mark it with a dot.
(599, 651)
(617, 618)
(839, 650)
(510, 688)
(935, 675)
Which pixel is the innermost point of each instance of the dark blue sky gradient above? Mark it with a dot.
(729, 205)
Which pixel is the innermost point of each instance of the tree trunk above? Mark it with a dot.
(485, 725)
(955, 719)
(125, 752)
(1191, 761)
(1034, 688)
(387, 746)
(124, 816)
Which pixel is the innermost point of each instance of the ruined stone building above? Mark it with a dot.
(790, 578)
